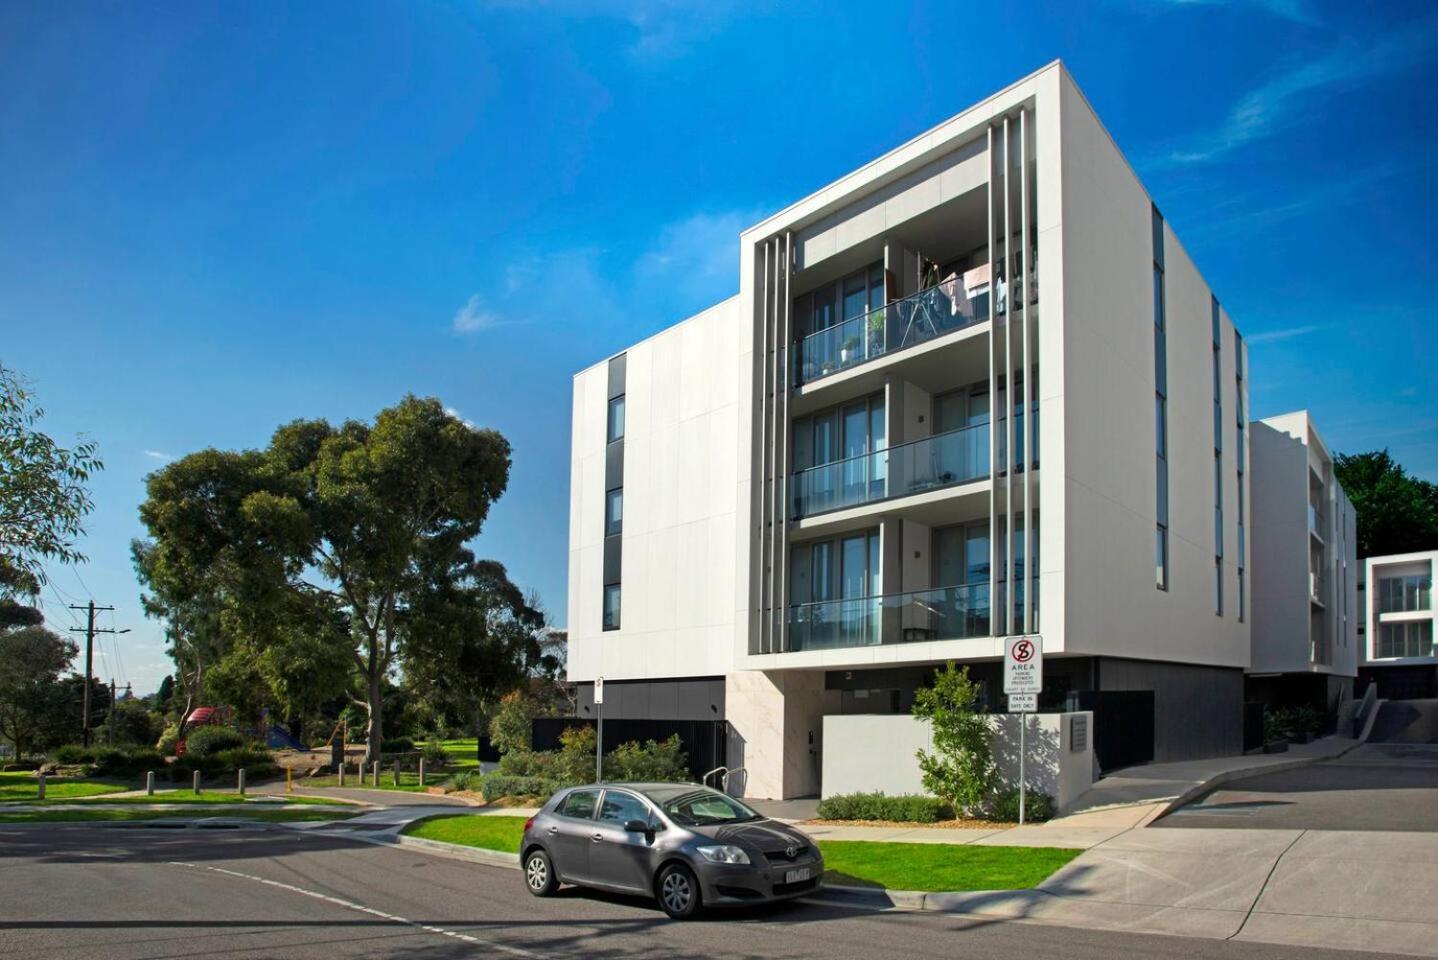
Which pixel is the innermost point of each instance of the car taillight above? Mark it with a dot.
(528, 823)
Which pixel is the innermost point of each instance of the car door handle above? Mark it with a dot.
(599, 838)
(553, 831)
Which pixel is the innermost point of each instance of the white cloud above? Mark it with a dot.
(1267, 107)
(696, 258)
(157, 455)
(474, 317)
(460, 417)
(1286, 333)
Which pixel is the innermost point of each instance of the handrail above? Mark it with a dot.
(832, 464)
(723, 783)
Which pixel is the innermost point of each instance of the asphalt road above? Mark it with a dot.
(102, 891)
(1378, 786)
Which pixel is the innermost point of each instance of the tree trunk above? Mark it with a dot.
(373, 739)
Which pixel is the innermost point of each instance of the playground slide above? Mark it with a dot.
(281, 739)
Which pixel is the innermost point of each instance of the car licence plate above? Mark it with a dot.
(796, 876)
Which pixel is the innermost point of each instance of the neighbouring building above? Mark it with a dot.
(1306, 573)
(975, 388)
(1398, 623)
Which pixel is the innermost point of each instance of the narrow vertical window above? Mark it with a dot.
(1240, 461)
(1160, 408)
(616, 419)
(614, 512)
(1217, 459)
(611, 606)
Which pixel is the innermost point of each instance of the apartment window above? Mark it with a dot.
(611, 606)
(614, 512)
(1160, 408)
(616, 419)
(1405, 594)
(1411, 639)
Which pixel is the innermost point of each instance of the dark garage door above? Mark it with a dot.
(1123, 726)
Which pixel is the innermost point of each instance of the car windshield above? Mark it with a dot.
(704, 808)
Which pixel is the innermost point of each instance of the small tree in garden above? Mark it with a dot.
(961, 768)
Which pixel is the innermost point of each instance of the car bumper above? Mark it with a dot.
(734, 885)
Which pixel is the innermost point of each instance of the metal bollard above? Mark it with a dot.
(396, 773)
(421, 773)
(242, 781)
(41, 779)
(150, 783)
(197, 783)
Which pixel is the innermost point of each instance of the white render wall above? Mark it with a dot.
(1396, 565)
(1285, 450)
(682, 448)
(1111, 605)
(880, 754)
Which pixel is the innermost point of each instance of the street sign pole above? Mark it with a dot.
(599, 734)
(1023, 682)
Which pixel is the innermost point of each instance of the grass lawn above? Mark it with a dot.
(939, 866)
(23, 785)
(80, 815)
(407, 781)
(491, 833)
(187, 797)
(462, 753)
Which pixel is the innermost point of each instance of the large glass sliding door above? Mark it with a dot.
(840, 457)
(835, 586)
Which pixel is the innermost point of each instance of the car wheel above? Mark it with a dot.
(678, 891)
(539, 878)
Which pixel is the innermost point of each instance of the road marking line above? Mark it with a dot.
(361, 908)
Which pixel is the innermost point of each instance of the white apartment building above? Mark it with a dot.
(975, 388)
(1306, 574)
(1400, 621)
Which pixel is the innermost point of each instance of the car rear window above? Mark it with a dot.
(579, 804)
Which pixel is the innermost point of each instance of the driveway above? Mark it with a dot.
(1378, 786)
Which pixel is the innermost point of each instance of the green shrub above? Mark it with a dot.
(1005, 806)
(531, 763)
(168, 739)
(496, 785)
(464, 780)
(1305, 719)
(255, 762)
(904, 808)
(72, 753)
(652, 762)
(435, 755)
(575, 763)
(204, 741)
(129, 761)
(397, 745)
(961, 767)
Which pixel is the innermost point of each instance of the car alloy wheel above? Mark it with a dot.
(538, 876)
(678, 892)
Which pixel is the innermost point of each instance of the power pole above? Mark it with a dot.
(89, 631)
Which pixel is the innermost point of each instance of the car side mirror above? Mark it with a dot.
(636, 826)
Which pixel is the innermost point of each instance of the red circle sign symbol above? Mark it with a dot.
(1024, 651)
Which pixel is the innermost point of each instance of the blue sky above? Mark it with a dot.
(215, 218)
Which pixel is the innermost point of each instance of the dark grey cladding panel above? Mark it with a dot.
(613, 564)
(616, 375)
(614, 465)
(688, 699)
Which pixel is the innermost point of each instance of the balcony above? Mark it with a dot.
(1315, 522)
(945, 459)
(948, 613)
(916, 319)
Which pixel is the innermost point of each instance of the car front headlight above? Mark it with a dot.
(725, 853)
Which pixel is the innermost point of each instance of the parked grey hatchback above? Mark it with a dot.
(686, 845)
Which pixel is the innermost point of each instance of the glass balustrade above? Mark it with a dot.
(915, 319)
(947, 613)
(957, 456)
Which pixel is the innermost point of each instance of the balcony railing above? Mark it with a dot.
(1315, 521)
(915, 319)
(948, 613)
(957, 456)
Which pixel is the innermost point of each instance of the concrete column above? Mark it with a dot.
(421, 772)
(150, 783)
(396, 773)
(40, 795)
(340, 773)
(196, 782)
(374, 775)
(241, 782)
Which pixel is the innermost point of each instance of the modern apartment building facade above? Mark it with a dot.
(975, 388)
(1306, 575)
(1399, 623)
